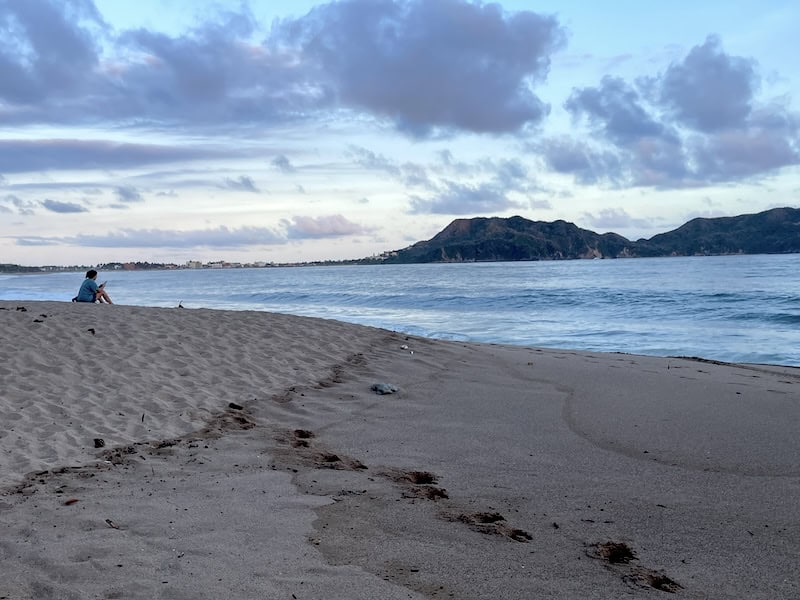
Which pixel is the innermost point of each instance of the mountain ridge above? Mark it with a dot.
(477, 239)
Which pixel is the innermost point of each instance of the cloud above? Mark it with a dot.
(610, 218)
(220, 237)
(242, 183)
(15, 204)
(302, 227)
(615, 108)
(465, 199)
(710, 90)
(408, 173)
(448, 164)
(127, 193)
(695, 124)
(733, 154)
(48, 49)
(424, 65)
(500, 177)
(541, 204)
(450, 64)
(36, 241)
(373, 161)
(296, 228)
(17, 156)
(282, 163)
(510, 174)
(588, 165)
(414, 175)
(63, 65)
(63, 207)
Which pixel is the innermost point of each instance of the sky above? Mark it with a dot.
(295, 131)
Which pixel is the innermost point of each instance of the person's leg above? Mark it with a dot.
(103, 296)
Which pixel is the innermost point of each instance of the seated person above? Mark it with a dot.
(90, 291)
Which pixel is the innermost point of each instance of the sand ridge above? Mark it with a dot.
(72, 373)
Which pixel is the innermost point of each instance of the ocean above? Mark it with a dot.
(743, 308)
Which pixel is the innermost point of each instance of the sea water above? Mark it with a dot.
(729, 308)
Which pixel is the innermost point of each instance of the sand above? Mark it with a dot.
(189, 453)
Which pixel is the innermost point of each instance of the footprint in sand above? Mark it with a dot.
(619, 556)
(493, 523)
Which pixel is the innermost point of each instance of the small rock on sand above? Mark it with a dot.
(384, 388)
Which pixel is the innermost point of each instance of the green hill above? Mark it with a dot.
(775, 231)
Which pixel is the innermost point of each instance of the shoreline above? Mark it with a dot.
(546, 305)
(493, 471)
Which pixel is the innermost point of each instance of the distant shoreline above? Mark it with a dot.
(14, 269)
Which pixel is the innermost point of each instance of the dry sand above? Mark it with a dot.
(245, 456)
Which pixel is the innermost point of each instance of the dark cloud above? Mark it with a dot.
(588, 165)
(282, 163)
(18, 156)
(450, 64)
(302, 227)
(243, 183)
(710, 90)
(615, 109)
(63, 207)
(696, 124)
(57, 70)
(213, 75)
(663, 162)
(48, 49)
(740, 153)
(465, 199)
(128, 194)
(427, 65)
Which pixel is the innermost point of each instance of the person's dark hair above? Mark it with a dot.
(91, 273)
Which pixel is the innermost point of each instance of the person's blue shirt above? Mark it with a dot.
(88, 291)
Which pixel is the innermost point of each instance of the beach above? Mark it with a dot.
(192, 453)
